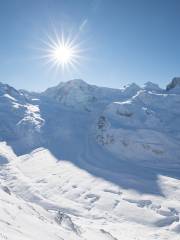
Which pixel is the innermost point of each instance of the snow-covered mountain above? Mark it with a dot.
(80, 95)
(80, 161)
(144, 127)
(174, 85)
(20, 119)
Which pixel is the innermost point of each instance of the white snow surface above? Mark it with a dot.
(85, 162)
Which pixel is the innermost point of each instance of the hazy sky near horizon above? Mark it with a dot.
(123, 41)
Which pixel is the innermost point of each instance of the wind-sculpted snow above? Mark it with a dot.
(85, 162)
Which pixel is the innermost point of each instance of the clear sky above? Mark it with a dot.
(124, 41)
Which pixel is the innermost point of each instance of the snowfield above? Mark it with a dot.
(85, 162)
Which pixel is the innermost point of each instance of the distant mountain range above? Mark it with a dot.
(144, 119)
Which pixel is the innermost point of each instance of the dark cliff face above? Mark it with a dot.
(175, 82)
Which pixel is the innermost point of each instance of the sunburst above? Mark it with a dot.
(62, 53)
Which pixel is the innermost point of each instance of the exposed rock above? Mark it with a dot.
(174, 83)
(66, 221)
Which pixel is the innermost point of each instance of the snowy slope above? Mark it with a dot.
(20, 120)
(85, 162)
(146, 127)
(58, 200)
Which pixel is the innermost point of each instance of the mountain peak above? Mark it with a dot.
(10, 92)
(5, 88)
(150, 86)
(130, 89)
(72, 83)
(76, 81)
(131, 85)
(174, 84)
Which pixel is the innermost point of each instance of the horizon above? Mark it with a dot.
(112, 44)
(42, 90)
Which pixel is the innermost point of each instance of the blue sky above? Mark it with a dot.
(124, 41)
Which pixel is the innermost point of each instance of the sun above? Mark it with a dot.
(62, 53)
